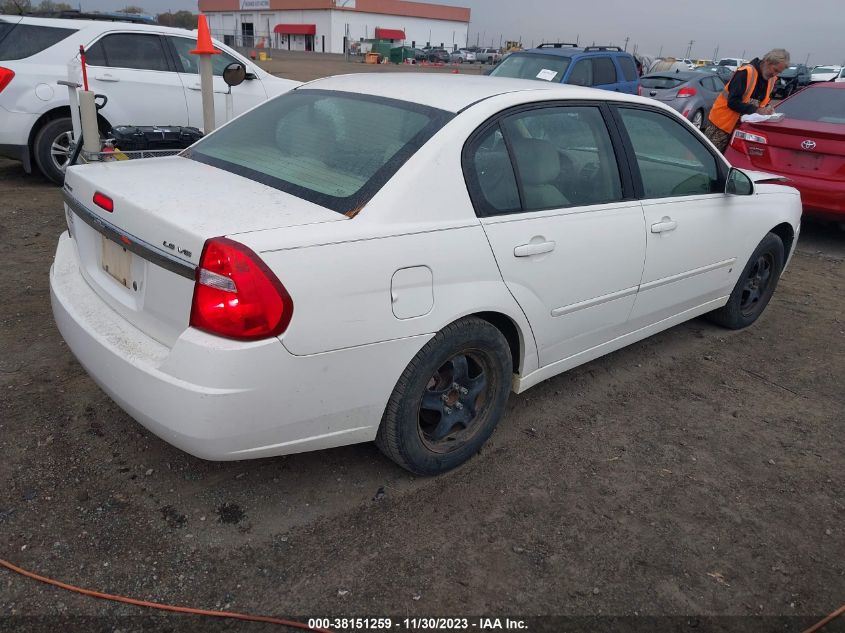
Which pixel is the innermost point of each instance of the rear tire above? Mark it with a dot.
(755, 286)
(51, 148)
(449, 399)
(698, 119)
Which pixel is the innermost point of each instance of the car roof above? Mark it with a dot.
(451, 92)
(94, 25)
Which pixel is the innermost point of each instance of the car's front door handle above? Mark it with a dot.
(106, 77)
(665, 224)
(533, 248)
(199, 87)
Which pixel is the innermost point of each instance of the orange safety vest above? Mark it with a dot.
(726, 119)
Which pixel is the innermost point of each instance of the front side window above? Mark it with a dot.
(563, 157)
(582, 73)
(190, 63)
(532, 66)
(335, 149)
(671, 160)
(19, 41)
(137, 51)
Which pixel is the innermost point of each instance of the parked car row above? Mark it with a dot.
(146, 71)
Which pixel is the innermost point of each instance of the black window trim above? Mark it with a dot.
(176, 61)
(633, 166)
(482, 210)
(168, 56)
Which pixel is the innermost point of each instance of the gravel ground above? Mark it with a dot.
(699, 473)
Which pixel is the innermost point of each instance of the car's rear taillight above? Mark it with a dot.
(687, 91)
(6, 75)
(236, 295)
(744, 141)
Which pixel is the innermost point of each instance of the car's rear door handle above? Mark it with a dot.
(106, 77)
(533, 248)
(666, 224)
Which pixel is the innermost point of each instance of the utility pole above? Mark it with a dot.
(689, 49)
(577, 39)
(660, 52)
(807, 61)
(716, 54)
(626, 43)
(743, 53)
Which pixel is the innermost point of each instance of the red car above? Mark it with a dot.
(807, 146)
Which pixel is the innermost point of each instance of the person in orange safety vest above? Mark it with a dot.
(748, 91)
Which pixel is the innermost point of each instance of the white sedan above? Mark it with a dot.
(385, 257)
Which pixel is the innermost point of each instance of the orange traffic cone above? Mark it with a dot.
(204, 45)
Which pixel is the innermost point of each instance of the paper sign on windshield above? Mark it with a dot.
(546, 74)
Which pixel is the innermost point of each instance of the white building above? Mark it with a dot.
(321, 25)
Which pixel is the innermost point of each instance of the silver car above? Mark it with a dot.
(461, 56)
(488, 56)
(690, 93)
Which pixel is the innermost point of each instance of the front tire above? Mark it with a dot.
(449, 399)
(755, 286)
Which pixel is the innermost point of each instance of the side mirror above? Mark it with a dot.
(234, 74)
(738, 183)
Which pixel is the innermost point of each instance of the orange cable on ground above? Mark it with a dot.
(155, 605)
(821, 623)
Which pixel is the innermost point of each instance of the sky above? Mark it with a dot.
(811, 27)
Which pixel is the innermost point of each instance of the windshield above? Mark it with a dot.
(825, 69)
(727, 62)
(824, 105)
(662, 83)
(533, 66)
(335, 149)
(19, 41)
(792, 71)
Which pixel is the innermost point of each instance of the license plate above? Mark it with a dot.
(805, 161)
(117, 262)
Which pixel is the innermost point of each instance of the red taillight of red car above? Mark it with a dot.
(236, 295)
(687, 91)
(747, 143)
(6, 76)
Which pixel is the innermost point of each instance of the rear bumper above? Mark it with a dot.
(220, 399)
(820, 198)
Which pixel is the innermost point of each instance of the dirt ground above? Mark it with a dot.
(699, 473)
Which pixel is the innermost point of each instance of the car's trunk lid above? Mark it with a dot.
(141, 257)
(806, 148)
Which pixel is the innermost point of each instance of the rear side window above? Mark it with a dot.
(335, 149)
(604, 71)
(824, 105)
(490, 177)
(128, 50)
(19, 41)
(629, 69)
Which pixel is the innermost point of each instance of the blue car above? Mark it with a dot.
(605, 67)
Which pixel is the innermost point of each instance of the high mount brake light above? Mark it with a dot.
(104, 202)
(236, 295)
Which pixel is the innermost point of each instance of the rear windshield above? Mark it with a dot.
(727, 62)
(19, 41)
(792, 71)
(824, 105)
(662, 83)
(533, 66)
(335, 149)
(825, 69)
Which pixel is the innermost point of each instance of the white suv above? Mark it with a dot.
(146, 71)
